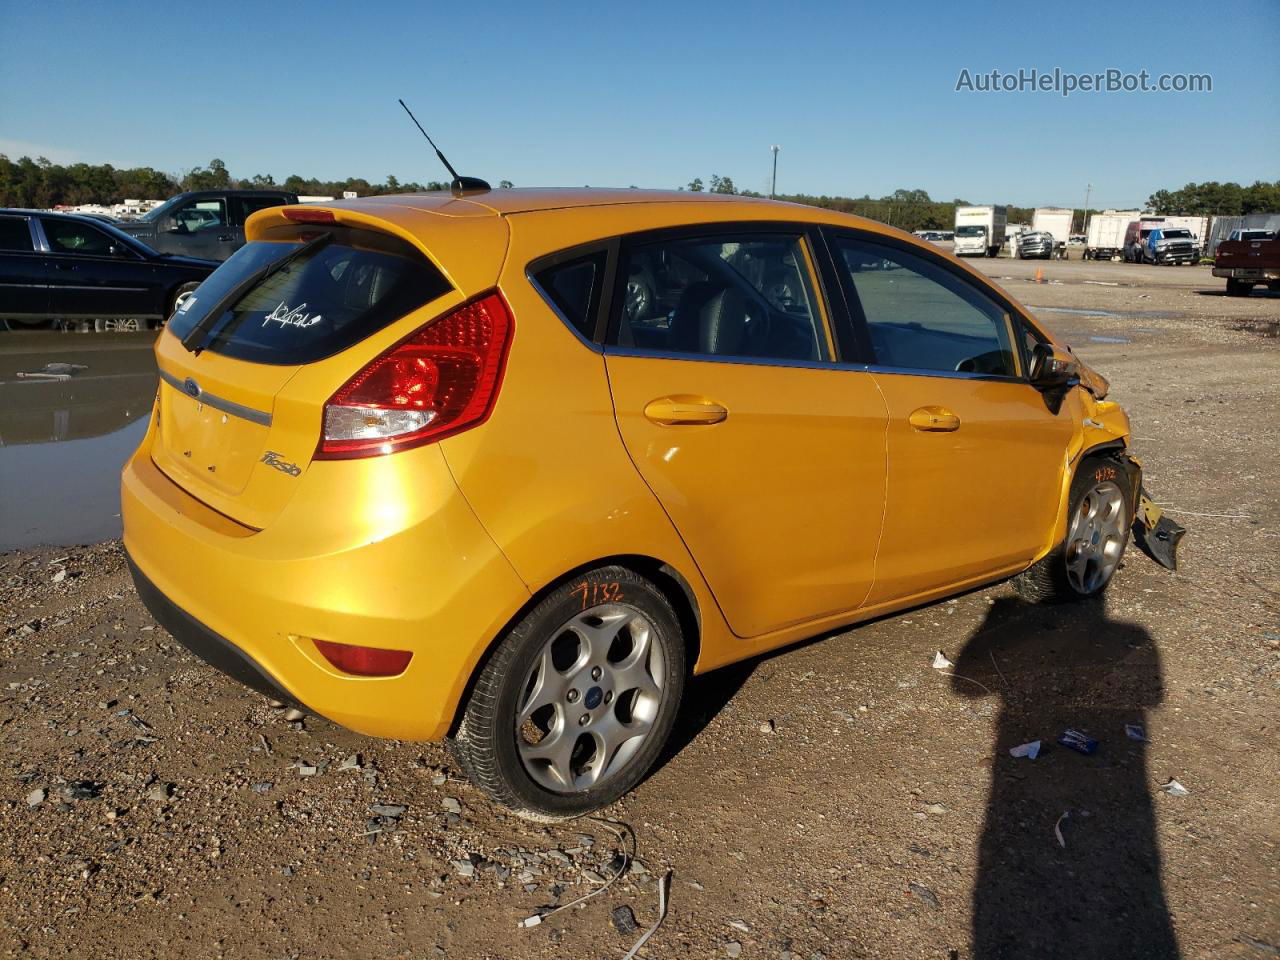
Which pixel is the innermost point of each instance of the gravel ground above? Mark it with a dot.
(840, 799)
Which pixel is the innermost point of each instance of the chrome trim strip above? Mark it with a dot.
(946, 374)
(613, 351)
(27, 286)
(218, 403)
(99, 288)
(808, 364)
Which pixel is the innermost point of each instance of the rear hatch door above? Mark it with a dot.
(239, 418)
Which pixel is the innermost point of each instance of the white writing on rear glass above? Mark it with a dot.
(288, 316)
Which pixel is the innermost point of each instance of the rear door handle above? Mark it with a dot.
(934, 419)
(684, 410)
(226, 238)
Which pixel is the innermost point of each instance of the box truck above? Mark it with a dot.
(979, 231)
(1055, 221)
(1104, 239)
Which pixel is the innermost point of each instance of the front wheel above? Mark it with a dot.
(1100, 513)
(577, 700)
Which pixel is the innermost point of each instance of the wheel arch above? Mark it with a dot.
(669, 580)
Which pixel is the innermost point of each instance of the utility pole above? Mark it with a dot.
(1084, 217)
(773, 184)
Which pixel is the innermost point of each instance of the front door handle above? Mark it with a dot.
(934, 419)
(226, 238)
(684, 410)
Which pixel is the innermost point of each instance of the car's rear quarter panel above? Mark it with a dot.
(548, 475)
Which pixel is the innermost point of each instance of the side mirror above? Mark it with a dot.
(1052, 367)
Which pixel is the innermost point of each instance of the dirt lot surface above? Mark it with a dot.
(840, 799)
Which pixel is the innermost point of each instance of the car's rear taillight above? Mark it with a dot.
(364, 661)
(439, 381)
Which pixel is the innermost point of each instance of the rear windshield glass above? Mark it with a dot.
(319, 304)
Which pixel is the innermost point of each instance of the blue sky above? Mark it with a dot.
(861, 96)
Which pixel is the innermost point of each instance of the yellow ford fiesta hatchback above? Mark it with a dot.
(506, 467)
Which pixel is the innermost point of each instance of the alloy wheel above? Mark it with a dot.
(590, 699)
(1096, 540)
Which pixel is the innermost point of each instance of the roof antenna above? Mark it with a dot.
(459, 184)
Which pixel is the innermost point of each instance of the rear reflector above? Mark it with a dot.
(439, 381)
(364, 661)
(308, 215)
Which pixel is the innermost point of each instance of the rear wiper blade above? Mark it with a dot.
(193, 341)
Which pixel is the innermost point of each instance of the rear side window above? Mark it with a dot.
(15, 234)
(320, 304)
(574, 287)
(734, 296)
(242, 207)
(921, 316)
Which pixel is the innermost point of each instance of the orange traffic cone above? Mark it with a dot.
(1039, 275)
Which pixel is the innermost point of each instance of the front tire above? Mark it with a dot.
(1099, 515)
(578, 699)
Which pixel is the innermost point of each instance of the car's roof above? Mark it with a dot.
(224, 191)
(502, 202)
(63, 214)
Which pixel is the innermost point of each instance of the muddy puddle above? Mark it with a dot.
(73, 407)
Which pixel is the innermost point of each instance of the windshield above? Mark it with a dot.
(155, 213)
(971, 231)
(1177, 234)
(323, 302)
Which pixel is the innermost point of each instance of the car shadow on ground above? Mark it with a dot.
(1097, 895)
(1097, 892)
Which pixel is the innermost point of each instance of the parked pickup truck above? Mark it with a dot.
(1247, 263)
(1036, 245)
(203, 223)
(1171, 245)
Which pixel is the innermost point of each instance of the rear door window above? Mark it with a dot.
(320, 304)
(242, 207)
(740, 296)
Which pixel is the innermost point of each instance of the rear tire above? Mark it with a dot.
(1099, 515)
(578, 699)
(1238, 288)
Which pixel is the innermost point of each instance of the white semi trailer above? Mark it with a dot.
(1055, 221)
(979, 231)
(1104, 239)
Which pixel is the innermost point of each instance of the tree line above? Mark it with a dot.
(40, 183)
(1217, 199)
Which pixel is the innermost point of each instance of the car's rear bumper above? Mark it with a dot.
(377, 553)
(217, 651)
(1260, 274)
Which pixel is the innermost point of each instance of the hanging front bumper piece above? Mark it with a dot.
(1155, 533)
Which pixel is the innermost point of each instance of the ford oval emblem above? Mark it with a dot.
(191, 387)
